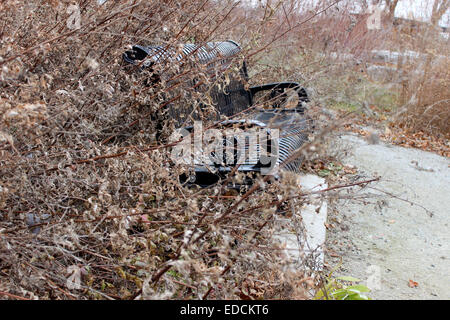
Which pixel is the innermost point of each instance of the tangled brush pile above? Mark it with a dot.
(90, 203)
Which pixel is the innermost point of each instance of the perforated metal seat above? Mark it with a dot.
(233, 99)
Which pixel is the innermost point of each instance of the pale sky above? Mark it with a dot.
(411, 9)
(419, 10)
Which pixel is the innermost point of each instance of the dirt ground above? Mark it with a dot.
(393, 234)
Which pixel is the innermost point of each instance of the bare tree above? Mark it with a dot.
(439, 9)
(391, 5)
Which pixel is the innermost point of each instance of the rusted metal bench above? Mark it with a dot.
(285, 109)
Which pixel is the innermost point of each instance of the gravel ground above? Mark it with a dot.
(389, 239)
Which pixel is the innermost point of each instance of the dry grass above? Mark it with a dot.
(424, 104)
(426, 98)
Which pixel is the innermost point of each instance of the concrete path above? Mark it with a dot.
(398, 230)
(303, 233)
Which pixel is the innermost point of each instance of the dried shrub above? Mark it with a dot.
(88, 191)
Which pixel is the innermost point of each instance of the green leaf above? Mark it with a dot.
(356, 296)
(359, 288)
(324, 173)
(347, 278)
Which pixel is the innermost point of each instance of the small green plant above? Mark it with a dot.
(336, 289)
(342, 288)
(174, 274)
(331, 168)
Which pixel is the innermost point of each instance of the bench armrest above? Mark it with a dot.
(278, 89)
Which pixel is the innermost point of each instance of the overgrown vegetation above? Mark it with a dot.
(88, 191)
(82, 166)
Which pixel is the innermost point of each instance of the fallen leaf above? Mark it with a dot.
(412, 284)
(333, 254)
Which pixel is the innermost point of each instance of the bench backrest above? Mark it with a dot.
(217, 57)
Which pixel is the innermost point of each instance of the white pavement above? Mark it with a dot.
(311, 218)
